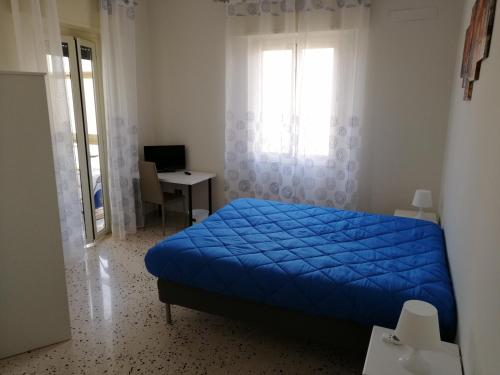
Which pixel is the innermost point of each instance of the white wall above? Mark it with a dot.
(471, 209)
(8, 56)
(80, 13)
(409, 80)
(147, 128)
(187, 44)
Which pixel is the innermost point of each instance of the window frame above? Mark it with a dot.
(296, 43)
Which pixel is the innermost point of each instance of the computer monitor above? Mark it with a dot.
(166, 158)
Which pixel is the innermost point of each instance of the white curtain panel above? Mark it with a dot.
(294, 99)
(37, 40)
(120, 102)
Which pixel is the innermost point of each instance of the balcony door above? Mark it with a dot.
(82, 88)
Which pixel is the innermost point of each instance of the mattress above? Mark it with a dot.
(321, 261)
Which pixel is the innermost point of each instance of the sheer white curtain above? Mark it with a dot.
(120, 102)
(294, 99)
(37, 42)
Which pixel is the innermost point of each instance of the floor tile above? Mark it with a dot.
(118, 327)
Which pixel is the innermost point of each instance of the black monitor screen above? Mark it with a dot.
(166, 158)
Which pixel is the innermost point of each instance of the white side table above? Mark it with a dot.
(382, 358)
(429, 216)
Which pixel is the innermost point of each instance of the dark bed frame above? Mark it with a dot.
(291, 322)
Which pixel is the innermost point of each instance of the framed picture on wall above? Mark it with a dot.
(477, 43)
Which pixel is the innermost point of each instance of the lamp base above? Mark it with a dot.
(420, 214)
(414, 363)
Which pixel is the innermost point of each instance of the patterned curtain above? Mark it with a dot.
(294, 99)
(37, 41)
(120, 105)
(278, 7)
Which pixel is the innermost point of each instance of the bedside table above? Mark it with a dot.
(429, 216)
(382, 358)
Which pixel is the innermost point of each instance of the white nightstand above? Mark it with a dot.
(429, 216)
(382, 358)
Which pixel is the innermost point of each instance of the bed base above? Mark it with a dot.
(297, 324)
(168, 311)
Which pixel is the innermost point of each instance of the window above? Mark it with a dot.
(297, 100)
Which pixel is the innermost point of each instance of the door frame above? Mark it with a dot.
(75, 39)
(80, 141)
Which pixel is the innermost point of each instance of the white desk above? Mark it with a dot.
(382, 358)
(180, 178)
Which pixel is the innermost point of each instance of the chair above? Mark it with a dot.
(151, 191)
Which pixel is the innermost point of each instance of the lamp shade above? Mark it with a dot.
(418, 325)
(422, 199)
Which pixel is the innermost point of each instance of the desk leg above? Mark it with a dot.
(190, 204)
(210, 196)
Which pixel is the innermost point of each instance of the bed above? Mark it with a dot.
(305, 265)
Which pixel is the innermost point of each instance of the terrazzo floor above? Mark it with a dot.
(118, 327)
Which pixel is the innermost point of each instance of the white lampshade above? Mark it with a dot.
(418, 326)
(422, 199)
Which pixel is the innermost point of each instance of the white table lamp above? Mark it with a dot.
(418, 328)
(422, 199)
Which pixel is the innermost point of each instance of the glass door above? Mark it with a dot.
(81, 77)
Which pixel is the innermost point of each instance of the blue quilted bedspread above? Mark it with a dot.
(321, 261)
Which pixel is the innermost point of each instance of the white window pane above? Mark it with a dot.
(316, 100)
(69, 95)
(277, 81)
(88, 90)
